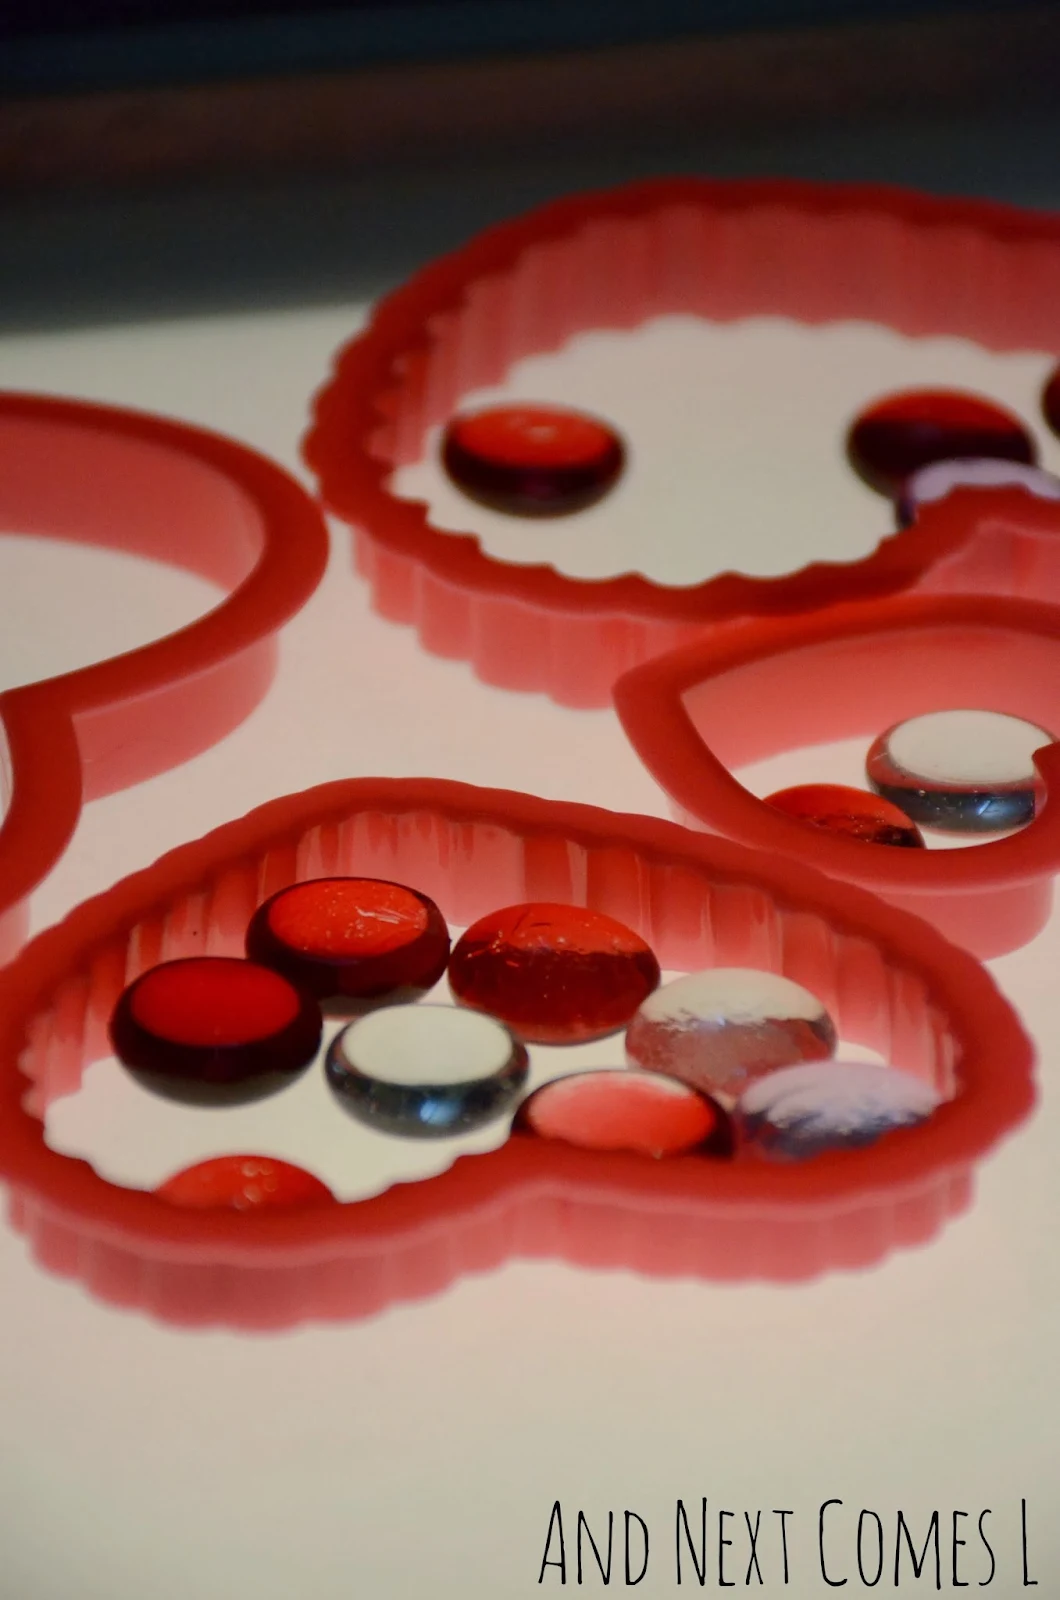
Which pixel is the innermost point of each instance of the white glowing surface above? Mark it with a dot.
(735, 436)
(967, 747)
(839, 1094)
(424, 1046)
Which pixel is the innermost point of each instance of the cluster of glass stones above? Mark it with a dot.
(213, 1030)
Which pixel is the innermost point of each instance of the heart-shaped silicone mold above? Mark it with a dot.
(176, 494)
(889, 980)
(782, 683)
(720, 251)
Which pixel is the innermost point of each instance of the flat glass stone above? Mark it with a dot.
(942, 477)
(555, 974)
(620, 1108)
(359, 939)
(803, 1111)
(719, 1030)
(896, 436)
(213, 1030)
(245, 1183)
(851, 813)
(426, 1071)
(532, 460)
(1051, 401)
(960, 771)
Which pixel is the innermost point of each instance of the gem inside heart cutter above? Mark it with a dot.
(722, 251)
(888, 979)
(176, 494)
(783, 683)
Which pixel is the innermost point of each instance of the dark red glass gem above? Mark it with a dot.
(555, 974)
(853, 813)
(532, 460)
(1051, 402)
(620, 1108)
(904, 432)
(359, 939)
(213, 1030)
(245, 1183)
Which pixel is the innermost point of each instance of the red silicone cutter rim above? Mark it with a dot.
(815, 253)
(990, 898)
(464, 845)
(103, 727)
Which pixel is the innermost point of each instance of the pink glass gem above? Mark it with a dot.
(939, 479)
(852, 813)
(555, 974)
(1051, 401)
(961, 771)
(803, 1111)
(532, 460)
(719, 1030)
(895, 437)
(619, 1108)
(359, 939)
(245, 1183)
(212, 1030)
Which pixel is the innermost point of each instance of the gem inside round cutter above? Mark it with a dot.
(1051, 401)
(961, 771)
(802, 1111)
(895, 437)
(556, 974)
(941, 478)
(533, 460)
(621, 1108)
(244, 1183)
(359, 939)
(213, 1030)
(852, 813)
(718, 1030)
(426, 1071)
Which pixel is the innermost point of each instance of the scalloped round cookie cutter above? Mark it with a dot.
(170, 492)
(722, 251)
(889, 980)
(785, 683)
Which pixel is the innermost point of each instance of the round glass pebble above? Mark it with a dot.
(960, 771)
(719, 1030)
(1051, 401)
(532, 460)
(620, 1108)
(803, 1111)
(426, 1072)
(245, 1183)
(851, 813)
(358, 939)
(214, 1030)
(896, 436)
(936, 481)
(555, 974)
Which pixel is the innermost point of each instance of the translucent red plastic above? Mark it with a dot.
(889, 980)
(175, 494)
(721, 251)
(781, 684)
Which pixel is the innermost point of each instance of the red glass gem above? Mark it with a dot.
(620, 1108)
(354, 938)
(214, 1030)
(904, 432)
(854, 813)
(555, 974)
(532, 460)
(1051, 401)
(245, 1183)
